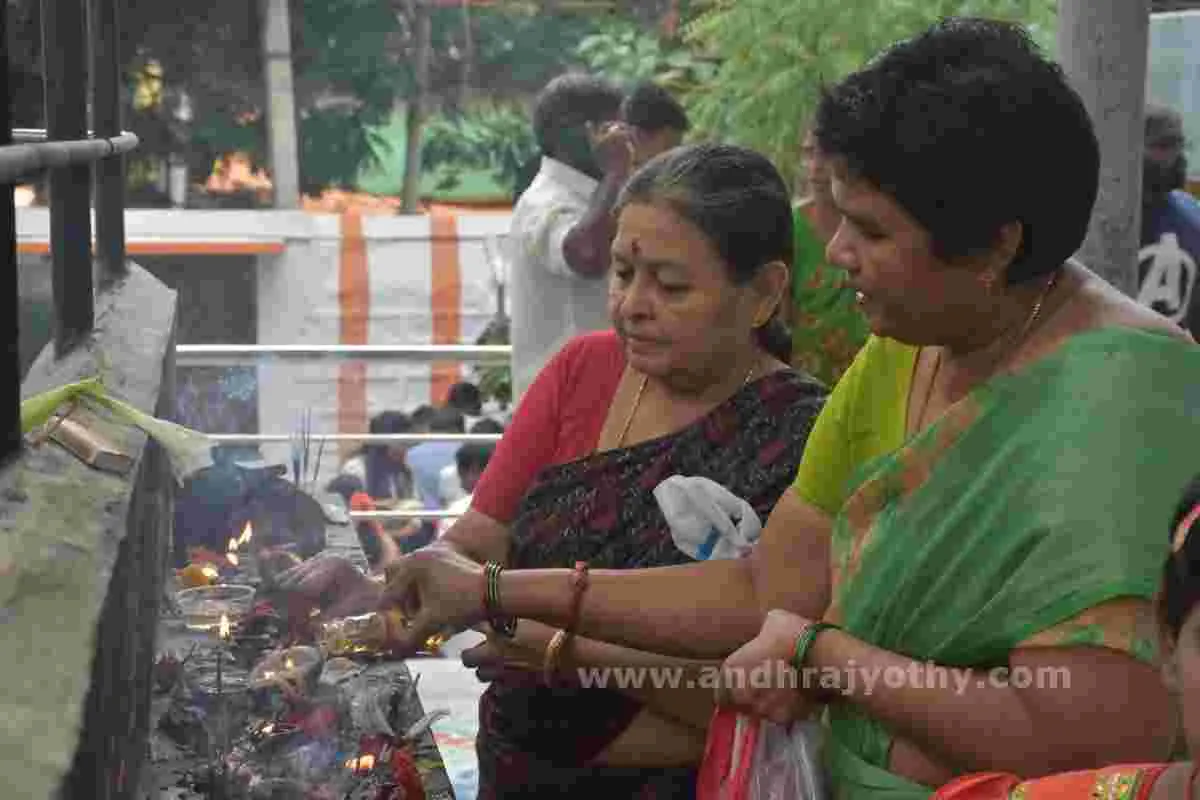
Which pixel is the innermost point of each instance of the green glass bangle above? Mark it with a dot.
(806, 638)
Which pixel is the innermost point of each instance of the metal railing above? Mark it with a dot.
(68, 150)
(364, 438)
(223, 355)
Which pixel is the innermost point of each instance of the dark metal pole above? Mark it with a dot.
(106, 121)
(64, 58)
(10, 352)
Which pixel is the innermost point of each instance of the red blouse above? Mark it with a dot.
(558, 420)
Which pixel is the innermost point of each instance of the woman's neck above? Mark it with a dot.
(710, 390)
(999, 333)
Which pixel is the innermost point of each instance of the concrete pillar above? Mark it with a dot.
(281, 102)
(1102, 47)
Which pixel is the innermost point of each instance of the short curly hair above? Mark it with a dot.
(968, 126)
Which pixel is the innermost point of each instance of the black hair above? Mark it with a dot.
(652, 108)
(969, 127)
(564, 108)
(381, 470)
(446, 420)
(1180, 591)
(473, 455)
(465, 397)
(421, 416)
(738, 199)
(345, 485)
(487, 425)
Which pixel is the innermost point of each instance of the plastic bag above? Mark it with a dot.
(728, 756)
(787, 762)
(707, 521)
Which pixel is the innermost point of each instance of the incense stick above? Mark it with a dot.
(307, 442)
(317, 467)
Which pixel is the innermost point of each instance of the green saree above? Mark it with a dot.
(827, 327)
(1042, 494)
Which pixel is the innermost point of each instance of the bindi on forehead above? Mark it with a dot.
(635, 247)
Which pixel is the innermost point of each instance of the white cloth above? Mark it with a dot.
(707, 520)
(450, 485)
(550, 303)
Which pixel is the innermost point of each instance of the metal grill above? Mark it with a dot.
(69, 150)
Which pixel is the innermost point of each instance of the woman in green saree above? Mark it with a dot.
(992, 472)
(999, 460)
(828, 329)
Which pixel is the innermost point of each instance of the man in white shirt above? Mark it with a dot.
(562, 225)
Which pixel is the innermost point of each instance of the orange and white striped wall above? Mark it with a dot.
(338, 278)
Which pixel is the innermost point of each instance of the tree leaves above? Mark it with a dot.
(775, 55)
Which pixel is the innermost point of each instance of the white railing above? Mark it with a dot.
(223, 355)
(366, 438)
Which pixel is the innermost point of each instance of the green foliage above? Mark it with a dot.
(514, 52)
(496, 138)
(495, 380)
(629, 54)
(351, 86)
(775, 55)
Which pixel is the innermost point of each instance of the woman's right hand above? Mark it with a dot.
(331, 585)
(437, 589)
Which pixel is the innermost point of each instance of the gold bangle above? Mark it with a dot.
(553, 653)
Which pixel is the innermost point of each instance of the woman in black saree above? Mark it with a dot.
(693, 381)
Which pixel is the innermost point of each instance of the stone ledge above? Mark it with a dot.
(82, 558)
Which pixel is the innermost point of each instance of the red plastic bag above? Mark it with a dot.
(725, 771)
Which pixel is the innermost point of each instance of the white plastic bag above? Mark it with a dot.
(707, 521)
(787, 762)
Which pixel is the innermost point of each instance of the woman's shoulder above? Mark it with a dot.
(1098, 305)
(593, 360)
(593, 348)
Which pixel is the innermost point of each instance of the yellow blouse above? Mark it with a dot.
(864, 418)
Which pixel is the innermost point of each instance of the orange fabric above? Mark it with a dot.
(1117, 782)
(354, 304)
(445, 299)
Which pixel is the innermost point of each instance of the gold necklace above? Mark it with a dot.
(637, 401)
(1029, 322)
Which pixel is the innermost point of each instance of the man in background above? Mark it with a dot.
(451, 489)
(657, 120)
(562, 225)
(470, 462)
(465, 398)
(1167, 260)
(425, 461)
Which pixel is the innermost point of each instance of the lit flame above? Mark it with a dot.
(268, 728)
(363, 763)
(289, 664)
(223, 629)
(210, 572)
(231, 549)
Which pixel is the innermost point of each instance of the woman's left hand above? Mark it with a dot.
(758, 676)
(499, 656)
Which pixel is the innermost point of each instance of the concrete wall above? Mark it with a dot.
(83, 566)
